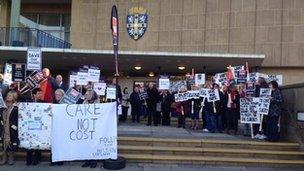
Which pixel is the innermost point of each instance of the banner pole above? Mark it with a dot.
(261, 123)
(251, 130)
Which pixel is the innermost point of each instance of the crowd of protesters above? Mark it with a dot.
(158, 107)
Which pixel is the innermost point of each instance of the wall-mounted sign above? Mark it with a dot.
(137, 22)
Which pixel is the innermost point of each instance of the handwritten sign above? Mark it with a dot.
(164, 84)
(82, 78)
(34, 125)
(34, 61)
(90, 132)
(111, 93)
(100, 88)
(93, 75)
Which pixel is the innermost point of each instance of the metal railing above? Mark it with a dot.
(31, 37)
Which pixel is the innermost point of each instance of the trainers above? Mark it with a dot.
(205, 130)
(262, 137)
(257, 136)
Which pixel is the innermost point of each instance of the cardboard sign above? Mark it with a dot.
(111, 93)
(179, 97)
(34, 79)
(70, 97)
(93, 75)
(73, 80)
(199, 79)
(250, 89)
(90, 132)
(249, 110)
(7, 77)
(34, 61)
(235, 71)
(265, 92)
(213, 95)
(241, 77)
(2, 103)
(18, 72)
(100, 88)
(164, 84)
(82, 77)
(175, 86)
(253, 77)
(34, 125)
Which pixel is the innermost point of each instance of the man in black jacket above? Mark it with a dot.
(153, 97)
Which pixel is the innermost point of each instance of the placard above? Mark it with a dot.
(34, 79)
(34, 61)
(253, 77)
(7, 77)
(249, 110)
(100, 88)
(71, 96)
(220, 78)
(175, 86)
(34, 125)
(90, 132)
(18, 72)
(179, 97)
(193, 94)
(73, 80)
(235, 71)
(164, 84)
(111, 93)
(2, 103)
(82, 78)
(264, 104)
(199, 79)
(241, 77)
(277, 78)
(265, 92)
(203, 92)
(213, 95)
(93, 75)
(143, 95)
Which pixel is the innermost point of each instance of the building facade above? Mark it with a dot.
(274, 28)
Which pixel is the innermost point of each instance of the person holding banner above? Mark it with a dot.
(275, 110)
(153, 97)
(181, 110)
(166, 102)
(9, 128)
(125, 104)
(33, 157)
(90, 98)
(219, 110)
(48, 86)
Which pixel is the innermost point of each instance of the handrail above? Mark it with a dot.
(19, 36)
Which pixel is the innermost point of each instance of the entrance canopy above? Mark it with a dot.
(68, 59)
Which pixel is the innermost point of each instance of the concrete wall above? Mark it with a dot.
(271, 27)
(290, 75)
(291, 129)
(4, 13)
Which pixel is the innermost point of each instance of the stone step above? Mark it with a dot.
(213, 152)
(183, 159)
(211, 143)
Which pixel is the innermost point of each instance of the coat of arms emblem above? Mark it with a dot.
(137, 22)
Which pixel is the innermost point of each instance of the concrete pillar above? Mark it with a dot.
(15, 13)
(4, 13)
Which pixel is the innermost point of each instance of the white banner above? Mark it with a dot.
(90, 132)
(100, 88)
(249, 110)
(265, 92)
(2, 103)
(164, 84)
(213, 95)
(34, 125)
(34, 62)
(7, 77)
(73, 80)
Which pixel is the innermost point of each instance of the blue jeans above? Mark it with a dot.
(219, 122)
(210, 121)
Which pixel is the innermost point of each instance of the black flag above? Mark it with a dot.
(114, 28)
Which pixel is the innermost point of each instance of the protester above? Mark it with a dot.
(48, 86)
(135, 105)
(3, 87)
(261, 83)
(125, 104)
(9, 128)
(232, 113)
(209, 114)
(195, 106)
(181, 110)
(33, 157)
(60, 84)
(153, 97)
(219, 110)
(275, 110)
(166, 102)
(224, 102)
(91, 97)
(58, 96)
(118, 91)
